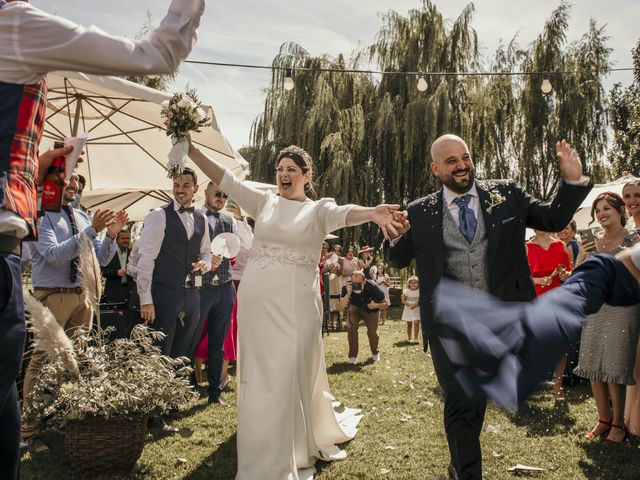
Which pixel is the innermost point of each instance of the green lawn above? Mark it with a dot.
(401, 435)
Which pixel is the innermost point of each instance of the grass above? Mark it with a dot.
(401, 435)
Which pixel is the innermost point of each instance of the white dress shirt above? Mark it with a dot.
(448, 197)
(33, 43)
(150, 242)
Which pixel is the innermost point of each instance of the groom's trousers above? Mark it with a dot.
(463, 420)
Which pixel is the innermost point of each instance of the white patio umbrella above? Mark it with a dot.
(583, 214)
(127, 147)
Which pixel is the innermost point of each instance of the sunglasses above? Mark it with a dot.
(221, 195)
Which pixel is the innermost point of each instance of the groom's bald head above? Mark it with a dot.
(442, 141)
(451, 163)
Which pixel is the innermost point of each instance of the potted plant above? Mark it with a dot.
(101, 393)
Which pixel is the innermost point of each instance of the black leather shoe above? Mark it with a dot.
(218, 400)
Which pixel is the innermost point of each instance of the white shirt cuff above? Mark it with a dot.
(583, 182)
(146, 299)
(395, 241)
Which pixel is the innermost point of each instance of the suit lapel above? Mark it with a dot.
(491, 222)
(433, 230)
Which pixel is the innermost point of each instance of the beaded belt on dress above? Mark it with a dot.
(267, 256)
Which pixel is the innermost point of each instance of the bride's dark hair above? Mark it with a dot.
(302, 159)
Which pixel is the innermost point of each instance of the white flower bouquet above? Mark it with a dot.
(182, 114)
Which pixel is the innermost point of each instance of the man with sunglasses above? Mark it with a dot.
(218, 294)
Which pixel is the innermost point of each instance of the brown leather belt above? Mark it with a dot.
(51, 290)
(10, 244)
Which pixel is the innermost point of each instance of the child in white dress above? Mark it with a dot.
(411, 312)
(382, 279)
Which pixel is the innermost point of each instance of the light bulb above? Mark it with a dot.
(546, 86)
(288, 81)
(422, 84)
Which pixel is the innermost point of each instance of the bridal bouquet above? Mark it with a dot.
(183, 113)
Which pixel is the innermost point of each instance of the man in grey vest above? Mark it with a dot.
(474, 231)
(218, 293)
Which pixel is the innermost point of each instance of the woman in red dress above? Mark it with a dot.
(549, 263)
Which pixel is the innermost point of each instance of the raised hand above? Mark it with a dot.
(120, 219)
(569, 161)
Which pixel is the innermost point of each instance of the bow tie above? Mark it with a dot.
(213, 213)
(186, 209)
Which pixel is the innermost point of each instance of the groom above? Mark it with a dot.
(457, 233)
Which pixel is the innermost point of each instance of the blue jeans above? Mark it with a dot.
(216, 304)
(12, 338)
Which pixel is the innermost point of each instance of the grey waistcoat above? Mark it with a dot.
(464, 262)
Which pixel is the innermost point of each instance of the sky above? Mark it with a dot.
(251, 32)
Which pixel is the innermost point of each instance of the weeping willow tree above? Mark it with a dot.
(576, 109)
(406, 119)
(625, 123)
(326, 115)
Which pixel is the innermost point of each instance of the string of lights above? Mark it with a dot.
(422, 85)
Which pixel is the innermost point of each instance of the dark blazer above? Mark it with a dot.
(505, 222)
(114, 291)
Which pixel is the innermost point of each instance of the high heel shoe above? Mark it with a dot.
(591, 435)
(624, 438)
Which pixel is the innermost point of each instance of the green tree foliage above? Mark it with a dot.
(625, 123)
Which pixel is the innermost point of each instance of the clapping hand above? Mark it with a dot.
(570, 165)
(120, 219)
(101, 219)
(383, 216)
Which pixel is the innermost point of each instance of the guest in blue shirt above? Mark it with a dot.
(54, 274)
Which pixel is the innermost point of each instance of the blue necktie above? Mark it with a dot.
(466, 217)
(75, 262)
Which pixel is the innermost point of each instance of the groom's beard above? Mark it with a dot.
(460, 185)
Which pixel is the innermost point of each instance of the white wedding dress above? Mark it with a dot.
(286, 420)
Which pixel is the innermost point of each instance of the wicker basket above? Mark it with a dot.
(96, 444)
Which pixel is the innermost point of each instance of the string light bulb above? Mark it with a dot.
(422, 84)
(546, 86)
(288, 81)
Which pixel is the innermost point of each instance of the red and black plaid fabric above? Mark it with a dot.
(22, 116)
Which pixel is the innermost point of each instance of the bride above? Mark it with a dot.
(286, 421)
